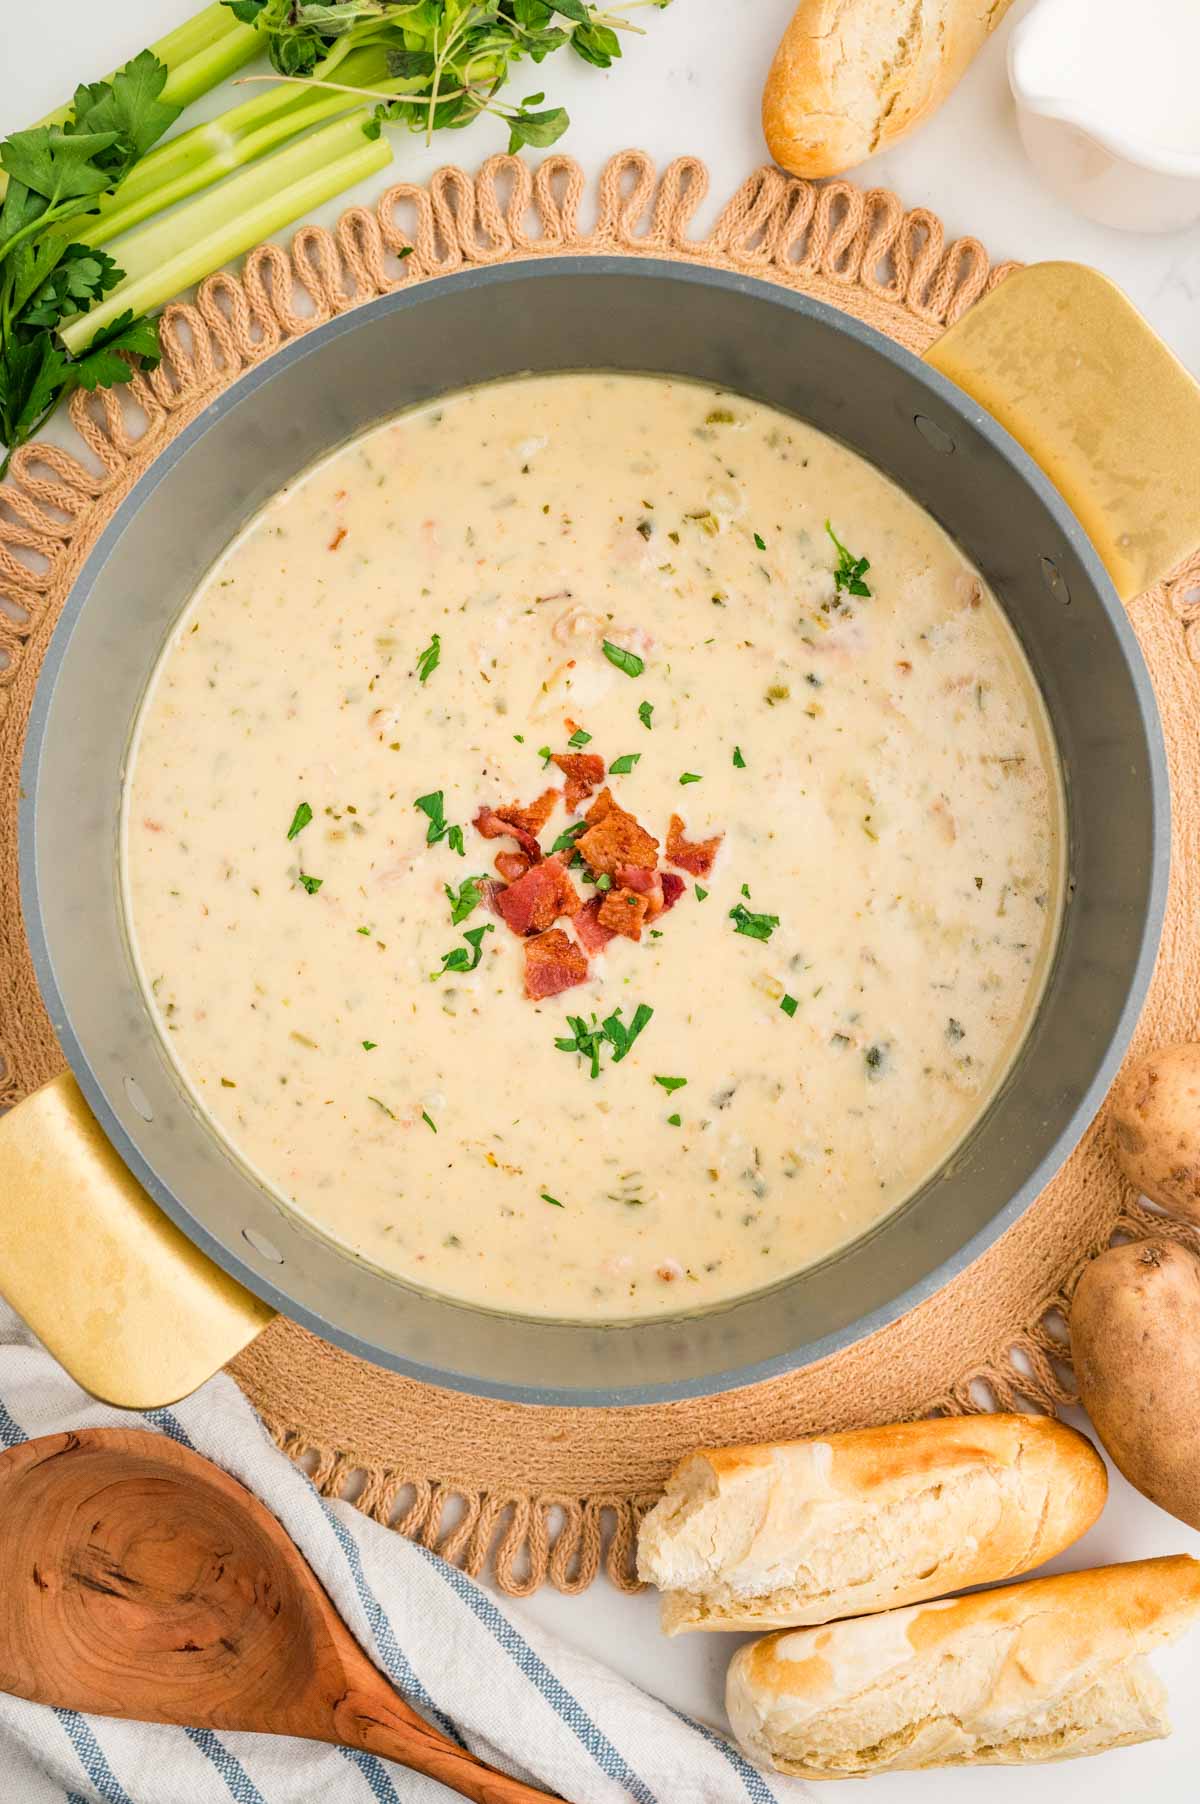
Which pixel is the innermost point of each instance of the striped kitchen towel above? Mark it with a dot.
(513, 1694)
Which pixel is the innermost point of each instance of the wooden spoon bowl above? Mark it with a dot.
(139, 1580)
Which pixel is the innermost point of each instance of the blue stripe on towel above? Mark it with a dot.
(241, 1785)
(382, 1789)
(756, 1786)
(91, 1757)
(609, 1759)
(170, 1425)
(11, 1433)
(395, 1661)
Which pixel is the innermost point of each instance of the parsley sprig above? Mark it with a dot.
(429, 659)
(55, 174)
(467, 898)
(628, 661)
(849, 570)
(589, 1041)
(434, 807)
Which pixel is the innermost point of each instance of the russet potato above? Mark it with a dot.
(1135, 1344)
(1155, 1117)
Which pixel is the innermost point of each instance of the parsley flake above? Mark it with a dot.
(689, 776)
(430, 1123)
(369, 1045)
(383, 1106)
(461, 959)
(552, 1200)
(674, 1120)
(365, 930)
(789, 1005)
(433, 806)
(300, 820)
(628, 661)
(739, 763)
(621, 767)
(468, 898)
(701, 894)
(671, 1083)
(311, 884)
(545, 754)
(760, 541)
(568, 836)
(645, 710)
(579, 739)
(755, 927)
(849, 571)
(429, 659)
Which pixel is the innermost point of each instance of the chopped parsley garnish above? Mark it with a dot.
(429, 659)
(674, 1120)
(461, 959)
(311, 884)
(439, 828)
(369, 1045)
(300, 820)
(545, 754)
(383, 1106)
(430, 1123)
(645, 710)
(621, 767)
(520, 738)
(671, 1083)
(604, 881)
(755, 927)
(849, 571)
(760, 541)
(365, 930)
(789, 1005)
(628, 661)
(468, 898)
(568, 836)
(689, 776)
(746, 891)
(589, 1041)
(552, 1200)
(739, 763)
(700, 893)
(579, 739)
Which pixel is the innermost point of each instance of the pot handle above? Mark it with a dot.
(135, 1312)
(1067, 364)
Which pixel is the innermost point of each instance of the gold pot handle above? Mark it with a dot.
(135, 1312)
(1062, 359)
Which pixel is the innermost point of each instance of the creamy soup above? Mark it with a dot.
(618, 1065)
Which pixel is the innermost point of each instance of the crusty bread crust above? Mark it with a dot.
(853, 76)
(1048, 1670)
(801, 1532)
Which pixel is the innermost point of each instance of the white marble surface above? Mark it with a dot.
(692, 85)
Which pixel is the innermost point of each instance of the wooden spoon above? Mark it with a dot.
(139, 1580)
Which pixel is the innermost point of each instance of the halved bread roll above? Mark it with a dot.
(1048, 1670)
(806, 1531)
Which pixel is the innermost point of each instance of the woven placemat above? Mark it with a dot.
(533, 1488)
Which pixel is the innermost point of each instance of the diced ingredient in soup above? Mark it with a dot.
(621, 874)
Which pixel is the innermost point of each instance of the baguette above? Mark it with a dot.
(853, 76)
(1048, 1670)
(801, 1532)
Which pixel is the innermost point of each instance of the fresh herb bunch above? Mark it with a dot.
(445, 59)
(55, 174)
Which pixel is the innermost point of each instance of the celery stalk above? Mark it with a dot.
(162, 259)
(197, 158)
(199, 53)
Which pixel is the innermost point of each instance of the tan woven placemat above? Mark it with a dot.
(532, 1488)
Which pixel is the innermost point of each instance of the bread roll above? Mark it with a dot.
(1047, 1670)
(805, 1531)
(853, 76)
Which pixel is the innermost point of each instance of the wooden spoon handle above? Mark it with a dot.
(379, 1722)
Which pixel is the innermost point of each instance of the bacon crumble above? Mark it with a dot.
(694, 856)
(583, 771)
(553, 963)
(623, 911)
(536, 900)
(614, 838)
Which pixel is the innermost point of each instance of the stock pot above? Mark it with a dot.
(1053, 437)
